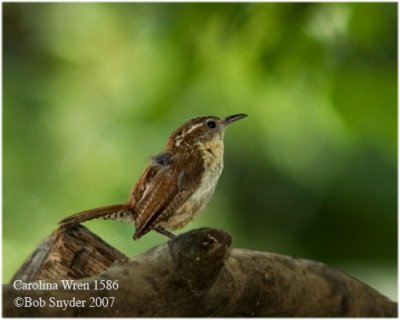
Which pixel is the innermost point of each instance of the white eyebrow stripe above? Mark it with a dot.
(179, 138)
(178, 141)
(193, 128)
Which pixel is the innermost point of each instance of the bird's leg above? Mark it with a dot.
(165, 232)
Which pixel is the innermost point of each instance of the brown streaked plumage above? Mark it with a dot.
(178, 182)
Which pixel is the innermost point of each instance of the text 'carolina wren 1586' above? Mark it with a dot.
(178, 182)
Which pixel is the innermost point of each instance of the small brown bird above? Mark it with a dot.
(178, 182)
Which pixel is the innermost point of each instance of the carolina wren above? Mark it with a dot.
(178, 182)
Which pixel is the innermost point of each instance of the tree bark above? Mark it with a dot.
(193, 275)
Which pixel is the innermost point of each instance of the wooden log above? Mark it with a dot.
(198, 275)
(68, 253)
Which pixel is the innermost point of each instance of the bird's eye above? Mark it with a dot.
(211, 124)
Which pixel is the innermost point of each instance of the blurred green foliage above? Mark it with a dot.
(91, 90)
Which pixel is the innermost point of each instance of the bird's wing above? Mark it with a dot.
(165, 185)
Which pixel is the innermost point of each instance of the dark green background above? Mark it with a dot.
(90, 91)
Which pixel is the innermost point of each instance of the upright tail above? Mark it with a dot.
(120, 212)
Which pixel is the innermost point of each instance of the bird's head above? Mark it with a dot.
(201, 130)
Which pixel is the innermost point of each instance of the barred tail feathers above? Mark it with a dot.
(119, 212)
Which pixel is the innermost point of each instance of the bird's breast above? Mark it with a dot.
(212, 155)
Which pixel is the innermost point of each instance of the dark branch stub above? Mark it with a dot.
(199, 255)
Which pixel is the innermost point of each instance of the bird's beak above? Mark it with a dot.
(235, 117)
